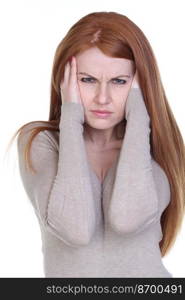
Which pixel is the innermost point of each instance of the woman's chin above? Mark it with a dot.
(98, 124)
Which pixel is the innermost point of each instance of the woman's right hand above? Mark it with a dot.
(69, 88)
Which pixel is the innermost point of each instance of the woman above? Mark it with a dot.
(108, 189)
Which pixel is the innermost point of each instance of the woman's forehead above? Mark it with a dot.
(95, 63)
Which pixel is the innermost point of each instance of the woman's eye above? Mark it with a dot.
(120, 81)
(86, 79)
(91, 80)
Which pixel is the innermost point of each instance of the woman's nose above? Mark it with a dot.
(103, 93)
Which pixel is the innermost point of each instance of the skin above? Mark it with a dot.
(100, 91)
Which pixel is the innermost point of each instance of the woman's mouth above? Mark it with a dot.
(101, 114)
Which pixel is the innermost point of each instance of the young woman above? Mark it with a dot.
(107, 188)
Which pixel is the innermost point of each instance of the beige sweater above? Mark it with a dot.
(91, 229)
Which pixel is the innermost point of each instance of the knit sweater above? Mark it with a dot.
(91, 228)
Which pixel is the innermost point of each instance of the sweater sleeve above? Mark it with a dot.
(61, 191)
(134, 202)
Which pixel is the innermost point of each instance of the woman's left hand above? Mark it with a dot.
(135, 82)
(135, 106)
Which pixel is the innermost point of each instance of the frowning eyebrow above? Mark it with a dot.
(122, 75)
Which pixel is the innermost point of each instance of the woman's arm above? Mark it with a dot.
(61, 191)
(134, 203)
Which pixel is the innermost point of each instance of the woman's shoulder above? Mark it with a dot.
(158, 171)
(161, 182)
(46, 136)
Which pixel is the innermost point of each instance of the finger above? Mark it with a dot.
(135, 82)
(66, 73)
(73, 70)
(136, 75)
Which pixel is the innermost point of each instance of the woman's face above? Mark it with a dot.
(105, 86)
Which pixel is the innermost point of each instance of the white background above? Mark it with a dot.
(30, 31)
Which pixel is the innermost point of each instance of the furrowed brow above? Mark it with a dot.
(122, 75)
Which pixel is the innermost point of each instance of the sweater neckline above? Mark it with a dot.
(101, 183)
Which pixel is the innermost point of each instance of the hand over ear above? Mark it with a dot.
(135, 105)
